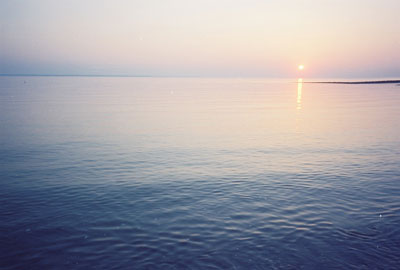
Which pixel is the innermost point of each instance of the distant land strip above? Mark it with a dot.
(358, 82)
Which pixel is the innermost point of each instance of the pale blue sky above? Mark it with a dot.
(338, 38)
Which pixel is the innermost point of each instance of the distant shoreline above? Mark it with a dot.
(358, 82)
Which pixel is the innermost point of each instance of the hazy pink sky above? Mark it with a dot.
(332, 38)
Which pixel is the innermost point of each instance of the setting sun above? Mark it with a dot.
(301, 67)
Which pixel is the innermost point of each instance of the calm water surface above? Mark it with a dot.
(164, 173)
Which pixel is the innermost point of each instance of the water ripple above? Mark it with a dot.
(211, 178)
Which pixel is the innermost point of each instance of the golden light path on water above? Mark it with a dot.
(299, 88)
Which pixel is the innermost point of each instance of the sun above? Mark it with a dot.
(301, 67)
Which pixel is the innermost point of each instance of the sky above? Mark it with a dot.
(211, 38)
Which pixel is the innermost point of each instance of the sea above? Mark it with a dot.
(198, 173)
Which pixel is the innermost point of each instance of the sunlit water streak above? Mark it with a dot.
(299, 88)
(163, 173)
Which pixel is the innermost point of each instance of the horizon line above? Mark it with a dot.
(183, 76)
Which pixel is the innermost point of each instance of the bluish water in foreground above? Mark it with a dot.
(163, 173)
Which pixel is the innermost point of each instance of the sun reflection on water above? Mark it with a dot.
(299, 88)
